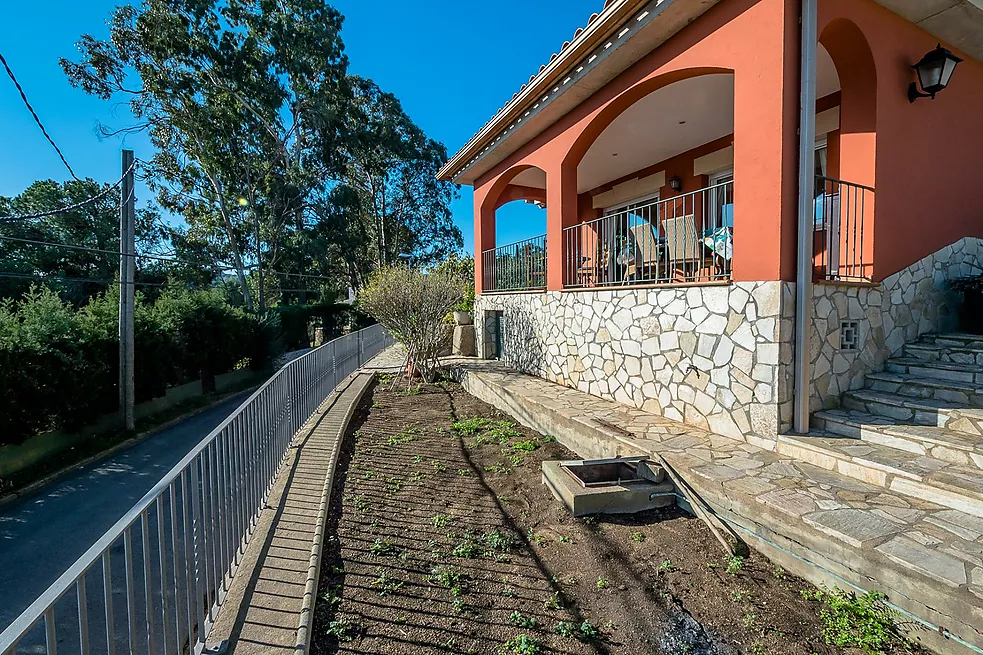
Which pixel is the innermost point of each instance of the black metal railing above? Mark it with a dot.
(519, 266)
(843, 232)
(688, 238)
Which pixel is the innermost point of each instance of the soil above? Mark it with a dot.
(451, 544)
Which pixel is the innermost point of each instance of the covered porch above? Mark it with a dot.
(654, 195)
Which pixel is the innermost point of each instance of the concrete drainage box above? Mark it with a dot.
(609, 486)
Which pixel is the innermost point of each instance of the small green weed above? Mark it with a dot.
(520, 620)
(464, 473)
(440, 521)
(384, 548)
(565, 629)
(393, 485)
(602, 583)
(742, 596)
(864, 622)
(666, 566)
(564, 539)
(344, 628)
(523, 645)
(417, 459)
(553, 602)
(498, 468)
(779, 573)
(385, 584)
(734, 565)
(438, 466)
(637, 537)
(470, 427)
(750, 621)
(526, 446)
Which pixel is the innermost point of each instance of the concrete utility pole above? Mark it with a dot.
(127, 270)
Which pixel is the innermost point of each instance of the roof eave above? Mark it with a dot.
(598, 29)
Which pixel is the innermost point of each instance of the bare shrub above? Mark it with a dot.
(411, 305)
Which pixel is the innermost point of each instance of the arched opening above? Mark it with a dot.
(846, 141)
(655, 183)
(513, 256)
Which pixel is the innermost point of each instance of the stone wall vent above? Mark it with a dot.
(849, 335)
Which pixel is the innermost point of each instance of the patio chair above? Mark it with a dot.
(648, 254)
(684, 248)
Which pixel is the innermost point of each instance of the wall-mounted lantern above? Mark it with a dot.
(934, 72)
(675, 183)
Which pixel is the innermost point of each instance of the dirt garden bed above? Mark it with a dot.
(445, 541)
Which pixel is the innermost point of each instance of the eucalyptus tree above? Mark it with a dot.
(243, 102)
(392, 165)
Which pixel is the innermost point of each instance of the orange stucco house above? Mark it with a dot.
(747, 213)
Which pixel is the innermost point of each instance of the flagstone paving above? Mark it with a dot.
(818, 523)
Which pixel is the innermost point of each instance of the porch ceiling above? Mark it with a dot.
(673, 120)
(956, 22)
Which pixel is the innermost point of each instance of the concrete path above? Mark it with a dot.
(268, 605)
(43, 533)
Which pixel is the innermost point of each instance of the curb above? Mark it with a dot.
(314, 567)
(112, 450)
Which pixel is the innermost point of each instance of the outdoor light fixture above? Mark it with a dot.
(934, 72)
(675, 183)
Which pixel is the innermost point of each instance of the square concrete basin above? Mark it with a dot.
(608, 486)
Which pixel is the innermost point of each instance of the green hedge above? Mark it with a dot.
(59, 366)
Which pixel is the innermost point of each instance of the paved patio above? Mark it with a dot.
(819, 524)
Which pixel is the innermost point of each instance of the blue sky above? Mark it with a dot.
(452, 64)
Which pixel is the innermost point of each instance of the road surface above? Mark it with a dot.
(43, 533)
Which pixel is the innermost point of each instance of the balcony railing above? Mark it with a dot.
(688, 238)
(519, 266)
(842, 235)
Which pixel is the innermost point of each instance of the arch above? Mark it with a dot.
(589, 134)
(854, 62)
(520, 182)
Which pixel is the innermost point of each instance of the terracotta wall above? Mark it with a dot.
(929, 154)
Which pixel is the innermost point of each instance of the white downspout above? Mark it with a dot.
(807, 180)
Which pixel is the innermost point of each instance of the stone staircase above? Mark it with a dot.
(917, 429)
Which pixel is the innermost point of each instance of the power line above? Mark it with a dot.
(78, 205)
(103, 251)
(169, 260)
(59, 278)
(36, 118)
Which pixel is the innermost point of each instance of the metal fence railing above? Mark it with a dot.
(155, 581)
(519, 266)
(842, 235)
(687, 238)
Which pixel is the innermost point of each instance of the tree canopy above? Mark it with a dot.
(265, 145)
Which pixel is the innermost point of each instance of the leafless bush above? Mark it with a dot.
(411, 305)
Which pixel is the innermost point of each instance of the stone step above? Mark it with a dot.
(963, 393)
(926, 368)
(917, 411)
(921, 476)
(922, 440)
(956, 339)
(957, 354)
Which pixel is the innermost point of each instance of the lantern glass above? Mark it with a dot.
(935, 70)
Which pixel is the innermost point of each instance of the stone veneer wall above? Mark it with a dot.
(906, 305)
(718, 357)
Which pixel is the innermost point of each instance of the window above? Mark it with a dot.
(722, 199)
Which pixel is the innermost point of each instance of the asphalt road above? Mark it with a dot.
(42, 534)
